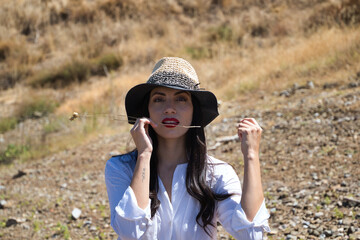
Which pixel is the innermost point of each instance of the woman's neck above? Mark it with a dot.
(171, 152)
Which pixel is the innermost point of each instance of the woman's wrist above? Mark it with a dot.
(144, 155)
(251, 156)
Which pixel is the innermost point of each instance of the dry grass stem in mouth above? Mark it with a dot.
(118, 117)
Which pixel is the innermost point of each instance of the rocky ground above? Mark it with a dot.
(310, 168)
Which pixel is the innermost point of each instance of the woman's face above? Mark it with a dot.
(170, 108)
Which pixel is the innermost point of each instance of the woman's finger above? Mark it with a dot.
(252, 120)
(244, 124)
(152, 123)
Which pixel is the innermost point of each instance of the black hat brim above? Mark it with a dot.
(135, 99)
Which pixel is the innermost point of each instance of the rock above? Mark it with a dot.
(347, 221)
(328, 233)
(316, 233)
(349, 201)
(339, 234)
(93, 229)
(330, 85)
(353, 85)
(76, 213)
(314, 176)
(26, 226)
(285, 93)
(347, 175)
(87, 223)
(351, 230)
(19, 174)
(290, 237)
(10, 222)
(2, 188)
(319, 214)
(310, 84)
(322, 236)
(3, 204)
(305, 223)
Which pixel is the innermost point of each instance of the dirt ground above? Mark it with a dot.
(310, 164)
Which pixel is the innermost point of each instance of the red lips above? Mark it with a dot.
(170, 122)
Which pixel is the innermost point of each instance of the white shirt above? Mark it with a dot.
(176, 220)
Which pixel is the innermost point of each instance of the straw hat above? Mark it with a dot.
(175, 73)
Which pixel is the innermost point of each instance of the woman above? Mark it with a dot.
(169, 188)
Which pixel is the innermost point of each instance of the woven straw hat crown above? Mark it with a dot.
(173, 71)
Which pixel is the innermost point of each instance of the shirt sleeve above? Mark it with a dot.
(230, 213)
(127, 219)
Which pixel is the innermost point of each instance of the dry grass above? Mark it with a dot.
(237, 48)
(295, 61)
(37, 35)
(111, 91)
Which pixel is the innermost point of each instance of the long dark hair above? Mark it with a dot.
(195, 173)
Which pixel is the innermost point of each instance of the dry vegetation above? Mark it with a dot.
(60, 56)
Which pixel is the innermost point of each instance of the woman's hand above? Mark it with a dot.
(140, 135)
(141, 177)
(249, 132)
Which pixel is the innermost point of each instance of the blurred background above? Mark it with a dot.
(292, 64)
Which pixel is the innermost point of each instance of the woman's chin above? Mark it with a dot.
(171, 133)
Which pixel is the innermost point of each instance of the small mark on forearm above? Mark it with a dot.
(143, 174)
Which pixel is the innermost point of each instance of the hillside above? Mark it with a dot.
(293, 65)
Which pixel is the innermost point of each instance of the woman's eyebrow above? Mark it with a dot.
(159, 93)
(179, 92)
(163, 94)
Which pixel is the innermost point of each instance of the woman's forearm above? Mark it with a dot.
(252, 192)
(141, 180)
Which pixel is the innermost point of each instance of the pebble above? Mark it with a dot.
(87, 223)
(306, 223)
(316, 233)
(351, 230)
(10, 222)
(347, 175)
(25, 226)
(310, 84)
(328, 233)
(317, 121)
(76, 213)
(290, 237)
(3, 204)
(347, 221)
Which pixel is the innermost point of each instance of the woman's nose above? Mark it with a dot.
(169, 108)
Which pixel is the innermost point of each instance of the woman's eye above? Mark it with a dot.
(182, 99)
(157, 99)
